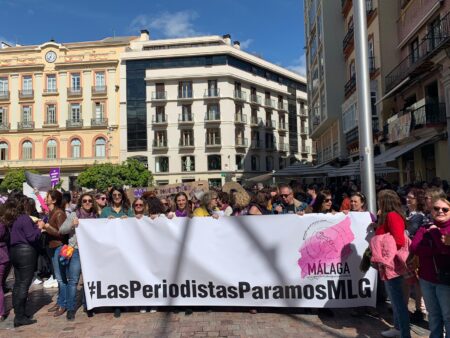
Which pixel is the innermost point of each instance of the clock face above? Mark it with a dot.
(50, 56)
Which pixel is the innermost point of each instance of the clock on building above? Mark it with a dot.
(50, 56)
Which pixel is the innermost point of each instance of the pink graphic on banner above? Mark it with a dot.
(325, 246)
(54, 176)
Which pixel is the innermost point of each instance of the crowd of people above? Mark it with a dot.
(413, 222)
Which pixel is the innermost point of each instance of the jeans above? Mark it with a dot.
(24, 260)
(61, 301)
(437, 301)
(70, 274)
(394, 288)
(3, 270)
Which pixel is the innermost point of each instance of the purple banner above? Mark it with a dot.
(54, 176)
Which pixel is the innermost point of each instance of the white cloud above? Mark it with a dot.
(169, 25)
(299, 65)
(246, 43)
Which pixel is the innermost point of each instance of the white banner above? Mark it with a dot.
(279, 260)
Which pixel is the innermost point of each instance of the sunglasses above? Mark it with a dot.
(101, 198)
(285, 195)
(444, 210)
(327, 200)
(139, 205)
(86, 201)
(117, 195)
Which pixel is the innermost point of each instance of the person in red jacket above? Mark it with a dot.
(392, 221)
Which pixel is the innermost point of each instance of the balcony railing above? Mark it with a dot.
(282, 106)
(212, 117)
(419, 60)
(161, 144)
(212, 92)
(255, 121)
(186, 144)
(51, 91)
(352, 136)
(159, 95)
(99, 122)
(372, 65)
(241, 142)
(240, 95)
(350, 86)
(304, 131)
(213, 142)
(99, 90)
(255, 144)
(4, 95)
(269, 103)
(429, 114)
(189, 95)
(348, 39)
(26, 94)
(4, 126)
(284, 147)
(74, 123)
(255, 99)
(270, 124)
(159, 119)
(52, 122)
(185, 119)
(282, 126)
(25, 125)
(240, 118)
(74, 91)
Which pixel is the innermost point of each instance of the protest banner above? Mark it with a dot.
(164, 191)
(54, 176)
(274, 260)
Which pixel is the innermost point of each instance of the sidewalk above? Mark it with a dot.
(270, 323)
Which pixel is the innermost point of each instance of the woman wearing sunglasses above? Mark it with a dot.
(119, 205)
(101, 201)
(323, 204)
(139, 207)
(434, 267)
(86, 208)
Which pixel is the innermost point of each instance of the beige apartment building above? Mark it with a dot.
(59, 105)
(416, 101)
(201, 108)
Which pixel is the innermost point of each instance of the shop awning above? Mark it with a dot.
(393, 153)
(354, 169)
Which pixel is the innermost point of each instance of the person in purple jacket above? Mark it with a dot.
(4, 260)
(24, 239)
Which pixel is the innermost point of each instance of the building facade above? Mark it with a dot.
(202, 109)
(59, 105)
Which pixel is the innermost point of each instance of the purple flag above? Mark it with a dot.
(54, 176)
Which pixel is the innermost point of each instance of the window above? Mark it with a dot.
(188, 163)
(27, 84)
(269, 163)
(3, 85)
(213, 113)
(186, 113)
(75, 147)
(214, 162)
(185, 89)
(3, 151)
(212, 88)
(162, 164)
(215, 182)
(187, 138)
(435, 33)
(99, 110)
(75, 82)
(26, 114)
(351, 69)
(75, 112)
(3, 116)
(160, 139)
(51, 114)
(100, 79)
(281, 162)
(269, 141)
(51, 83)
(27, 150)
(51, 149)
(255, 163)
(239, 162)
(414, 50)
(213, 136)
(160, 114)
(100, 147)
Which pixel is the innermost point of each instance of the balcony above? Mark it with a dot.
(282, 126)
(372, 66)
(255, 121)
(270, 124)
(188, 95)
(255, 99)
(305, 149)
(185, 119)
(159, 145)
(211, 93)
(25, 125)
(350, 86)
(303, 113)
(430, 114)
(99, 122)
(4, 126)
(347, 44)
(304, 131)
(4, 95)
(74, 92)
(50, 123)
(241, 142)
(50, 91)
(212, 117)
(213, 142)
(159, 96)
(99, 90)
(269, 103)
(255, 144)
(186, 144)
(74, 123)
(159, 120)
(283, 147)
(282, 106)
(419, 61)
(240, 95)
(352, 137)
(240, 119)
(26, 94)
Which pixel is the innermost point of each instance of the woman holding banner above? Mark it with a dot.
(182, 207)
(71, 270)
(119, 205)
(208, 205)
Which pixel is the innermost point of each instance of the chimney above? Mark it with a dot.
(145, 36)
(227, 39)
(237, 44)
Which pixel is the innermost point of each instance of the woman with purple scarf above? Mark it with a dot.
(70, 272)
(182, 206)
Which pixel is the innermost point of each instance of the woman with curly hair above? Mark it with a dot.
(119, 206)
(323, 203)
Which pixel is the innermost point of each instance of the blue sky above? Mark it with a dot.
(273, 29)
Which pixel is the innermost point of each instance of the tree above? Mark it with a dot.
(101, 176)
(14, 179)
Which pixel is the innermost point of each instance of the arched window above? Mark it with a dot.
(100, 147)
(3, 151)
(51, 149)
(75, 147)
(27, 150)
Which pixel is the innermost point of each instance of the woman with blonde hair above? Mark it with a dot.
(208, 205)
(239, 202)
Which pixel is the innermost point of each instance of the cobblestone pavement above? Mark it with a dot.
(220, 322)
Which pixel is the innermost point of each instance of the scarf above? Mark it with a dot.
(81, 213)
(181, 213)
